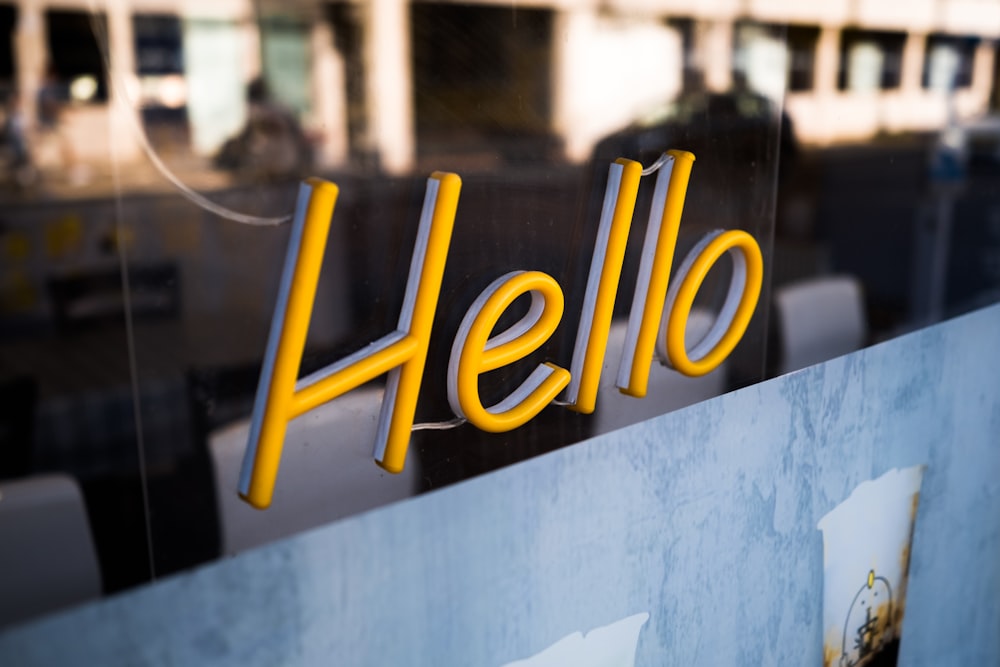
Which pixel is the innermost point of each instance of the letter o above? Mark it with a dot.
(737, 309)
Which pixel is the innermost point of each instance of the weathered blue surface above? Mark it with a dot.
(705, 518)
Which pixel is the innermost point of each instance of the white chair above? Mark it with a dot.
(819, 319)
(327, 472)
(47, 557)
(668, 389)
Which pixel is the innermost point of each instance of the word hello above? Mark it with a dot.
(477, 350)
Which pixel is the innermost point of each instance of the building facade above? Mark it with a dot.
(389, 81)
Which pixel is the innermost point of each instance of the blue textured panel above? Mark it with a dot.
(704, 518)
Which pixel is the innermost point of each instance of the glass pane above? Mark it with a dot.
(530, 108)
(147, 199)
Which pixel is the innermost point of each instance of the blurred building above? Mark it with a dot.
(389, 81)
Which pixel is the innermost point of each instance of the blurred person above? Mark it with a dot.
(49, 124)
(49, 102)
(271, 145)
(18, 167)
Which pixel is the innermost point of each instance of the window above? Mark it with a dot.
(870, 61)
(801, 57)
(995, 95)
(346, 22)
(159, 62)
(8, 19)
(158, 48)
(949, 62)
(761, 58)
(490, 80)
(76, 68)
(692, 77)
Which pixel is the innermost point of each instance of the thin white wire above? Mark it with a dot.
(439, 426)
(660, 161)
(130, 110)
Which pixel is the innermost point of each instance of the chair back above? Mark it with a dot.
(327, 472)
(819, 319)
(668, 389)
(47, 556)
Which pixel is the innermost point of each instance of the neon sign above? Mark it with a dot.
(402, 353)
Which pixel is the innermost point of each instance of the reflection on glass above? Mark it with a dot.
(855, 141)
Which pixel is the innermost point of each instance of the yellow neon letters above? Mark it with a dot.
(474, 352)
(402, 353)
